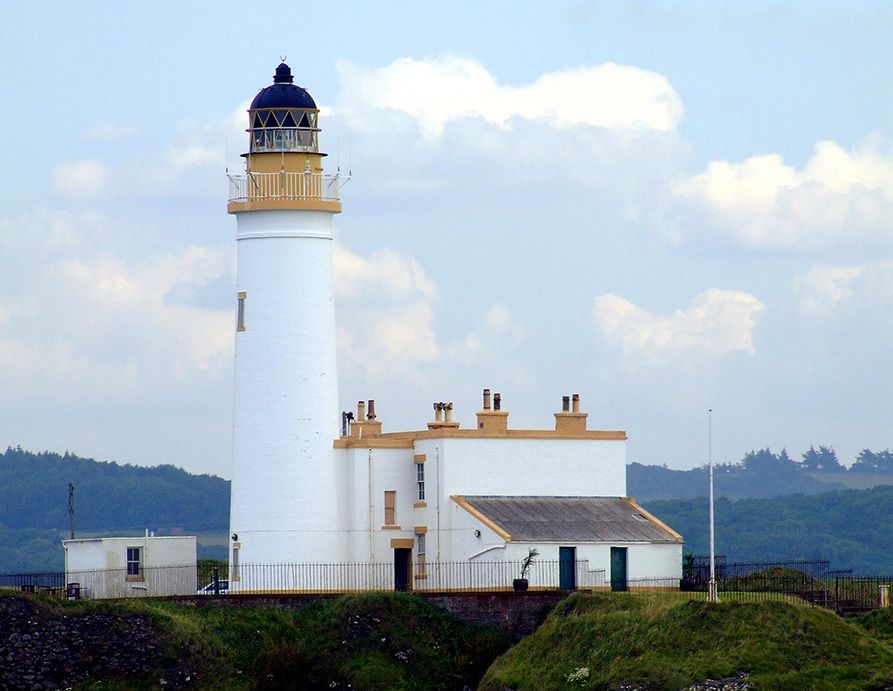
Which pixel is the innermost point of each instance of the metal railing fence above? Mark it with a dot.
(295, 186)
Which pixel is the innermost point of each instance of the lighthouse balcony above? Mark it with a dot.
(256, 191)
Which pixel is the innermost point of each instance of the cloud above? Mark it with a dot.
(80, 179)
(823, 286)
(717, 322)
(435, 91)
(385, 272)
(385, 314)
(838, 196)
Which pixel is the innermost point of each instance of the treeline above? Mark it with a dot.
(851, 529)
(108, 496)
(759, 474)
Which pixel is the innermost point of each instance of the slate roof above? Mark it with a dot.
(570, 519)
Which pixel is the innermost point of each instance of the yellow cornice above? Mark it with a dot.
(460, 500)
(330, 205)
(405, 440)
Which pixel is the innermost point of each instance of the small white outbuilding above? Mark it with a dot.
(146, 566)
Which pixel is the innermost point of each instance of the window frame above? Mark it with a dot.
(133, 566)
(420, 481)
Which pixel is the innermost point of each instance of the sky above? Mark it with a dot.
(665, 207)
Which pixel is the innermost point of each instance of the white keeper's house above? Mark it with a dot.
(323, 499)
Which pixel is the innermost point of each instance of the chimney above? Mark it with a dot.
(443, 417)
(570, 423)
(493, 421)
(365, 423)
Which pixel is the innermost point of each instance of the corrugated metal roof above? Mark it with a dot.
(571, 519)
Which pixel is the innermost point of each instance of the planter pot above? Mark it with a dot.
(520, 584)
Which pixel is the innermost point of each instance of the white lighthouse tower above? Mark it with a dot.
(285, 502)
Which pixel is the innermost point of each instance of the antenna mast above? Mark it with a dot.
(71, 508)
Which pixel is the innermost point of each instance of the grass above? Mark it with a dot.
(369, 641)
(658, 641)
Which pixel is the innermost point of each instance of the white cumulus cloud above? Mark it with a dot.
(823, 286)
(716, 322)
(837, 196)
(434, 91)
(385, 313)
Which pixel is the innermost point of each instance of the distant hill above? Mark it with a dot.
(650, 482)
(849, 528)
(108, 498)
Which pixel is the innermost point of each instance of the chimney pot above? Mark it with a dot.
(361, 410)
(371, 415)
(486, 399)
(438, 412)
(565, 404)
(449, 411)
(576, 401)
(497, 401)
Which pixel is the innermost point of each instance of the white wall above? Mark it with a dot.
(287, 490)
(99, 565)
(534, 467)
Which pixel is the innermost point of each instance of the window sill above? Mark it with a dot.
(421, 577)
(134, 579)
(420, 504)
(391, 527)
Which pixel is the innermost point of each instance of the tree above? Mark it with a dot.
(823, 460)
(869, 461)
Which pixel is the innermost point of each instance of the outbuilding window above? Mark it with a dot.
(134, 563)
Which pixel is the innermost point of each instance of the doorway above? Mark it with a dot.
(618, 569)
(567, 572)
(402, 568)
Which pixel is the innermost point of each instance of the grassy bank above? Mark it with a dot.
(601, 641)
(370, 641)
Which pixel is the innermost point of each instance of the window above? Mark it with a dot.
(240, 320)
(234, 570)
(134, 563)
(420, 479)
(420, 556)
(390, 502)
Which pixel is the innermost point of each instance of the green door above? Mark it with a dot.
(567, 561)
(618, 569)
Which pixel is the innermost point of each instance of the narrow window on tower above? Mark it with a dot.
(420, 479)
(240, 320)
(234, 567)
(390, 502)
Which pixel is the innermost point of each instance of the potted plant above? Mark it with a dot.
(520, 584)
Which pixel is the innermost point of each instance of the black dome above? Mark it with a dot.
(282, 93)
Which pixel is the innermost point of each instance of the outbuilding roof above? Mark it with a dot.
(568, 519)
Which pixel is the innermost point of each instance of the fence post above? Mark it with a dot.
(217, 580)
(884, 595)
(837, 594)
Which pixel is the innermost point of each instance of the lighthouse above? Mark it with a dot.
(285, 504)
